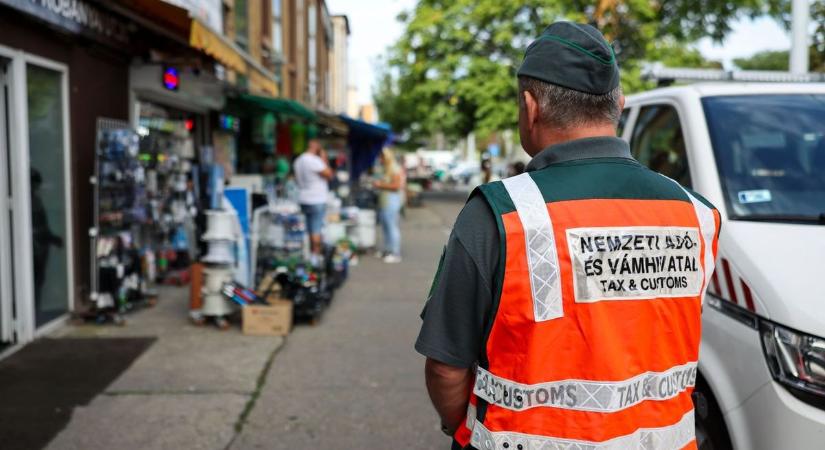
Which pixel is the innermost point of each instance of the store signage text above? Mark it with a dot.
(75, 16)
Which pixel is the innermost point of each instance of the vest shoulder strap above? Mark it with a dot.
(706, 217)
(521, 194)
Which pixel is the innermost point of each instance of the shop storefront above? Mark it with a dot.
(273, 132)
(55, 79)
(65, 69)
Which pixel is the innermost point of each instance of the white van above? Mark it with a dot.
(757, 152)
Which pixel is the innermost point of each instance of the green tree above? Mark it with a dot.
(818, 45)
(453, 69)
(778, 59)
(767, 60)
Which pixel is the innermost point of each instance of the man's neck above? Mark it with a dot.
(554, 137)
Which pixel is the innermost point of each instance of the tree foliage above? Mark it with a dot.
(778, 59)
(766, 60)
(453, 70)
(818, 45)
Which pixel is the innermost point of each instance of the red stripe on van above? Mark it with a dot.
(714, 284)
(748, 296)
(729, 281)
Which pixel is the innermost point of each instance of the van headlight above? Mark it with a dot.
(796, 360)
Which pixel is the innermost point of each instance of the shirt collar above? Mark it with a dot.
(587, 148)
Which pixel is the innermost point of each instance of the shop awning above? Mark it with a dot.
(331, 124)
(365, 142)
(227, 53)
(280, 106)
(213, 44)
(367, 130)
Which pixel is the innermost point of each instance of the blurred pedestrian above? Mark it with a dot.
(559, 316)
(487, 175)
(312, 174)
(390, 201)
(42, 236)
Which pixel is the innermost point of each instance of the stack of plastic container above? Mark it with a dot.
(221, 234)
(365, 230)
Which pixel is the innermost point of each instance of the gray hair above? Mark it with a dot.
(565, 108)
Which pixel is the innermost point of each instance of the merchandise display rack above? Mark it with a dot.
(119, 209)
(143, 211)
(167, 156)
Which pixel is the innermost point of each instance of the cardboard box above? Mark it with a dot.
(275, 297)
(272, 320)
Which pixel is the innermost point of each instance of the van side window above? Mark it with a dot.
(658, 142)
(622, 122)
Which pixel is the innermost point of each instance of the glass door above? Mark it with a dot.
(6, 252)
(47, 184)
(35, 255)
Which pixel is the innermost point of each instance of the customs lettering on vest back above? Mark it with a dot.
(631, 263)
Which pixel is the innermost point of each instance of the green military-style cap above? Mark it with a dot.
(572, 55)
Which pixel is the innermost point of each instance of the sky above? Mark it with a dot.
(374, 28)
(747, 38)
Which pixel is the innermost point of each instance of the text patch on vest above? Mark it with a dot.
(628, 263)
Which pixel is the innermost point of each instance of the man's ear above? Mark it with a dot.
(531, 107)
(621, 103)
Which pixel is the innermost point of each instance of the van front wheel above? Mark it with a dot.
(711, 432)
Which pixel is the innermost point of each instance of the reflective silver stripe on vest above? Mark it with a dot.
(671, 437)
(542, 260)
(707, 225)
(471, 416)
(585, 395)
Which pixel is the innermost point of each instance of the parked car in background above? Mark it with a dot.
(465, 172)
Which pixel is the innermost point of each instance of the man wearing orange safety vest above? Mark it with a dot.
(566, 310)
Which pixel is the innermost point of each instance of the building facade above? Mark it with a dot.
(64, 68)
(306, 39)
(169, 69)
(338, 64)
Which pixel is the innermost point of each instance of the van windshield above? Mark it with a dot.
(770, 153)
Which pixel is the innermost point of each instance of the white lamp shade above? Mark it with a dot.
(220, 252)
(214, 279)
(220, 226)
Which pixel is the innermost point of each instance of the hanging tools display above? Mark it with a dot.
(119, 208)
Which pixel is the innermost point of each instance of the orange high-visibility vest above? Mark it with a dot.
(595, 338)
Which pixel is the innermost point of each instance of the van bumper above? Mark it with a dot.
(774, 419)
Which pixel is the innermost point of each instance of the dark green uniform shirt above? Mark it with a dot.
(461, 299)
(464, 295)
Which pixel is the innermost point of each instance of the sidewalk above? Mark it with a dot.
(190, 389)
(353, 381)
